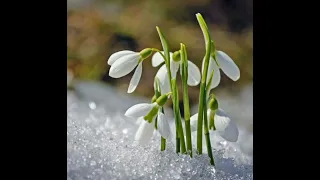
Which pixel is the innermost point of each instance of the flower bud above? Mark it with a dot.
(213, 103)
(176, 56)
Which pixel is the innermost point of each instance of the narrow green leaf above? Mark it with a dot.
(203, 93)
(184, 81)
(164, 44)
(204, 29)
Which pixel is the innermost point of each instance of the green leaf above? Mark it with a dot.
(164, 44)
(184, 61)
(204, 29)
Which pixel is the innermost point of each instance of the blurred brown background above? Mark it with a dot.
(98, 28)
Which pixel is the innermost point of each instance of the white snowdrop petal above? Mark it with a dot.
(118, 55)
(163, 126)
(135, 78)
(194, 122)
(164, 80)
(165, 87)
(162, 73)
(216, 75)
(228, 66)
(174, 67)
(170, 54)
(144, 133)
(157, 59)
(194, 75)
(172, 137)
(139, 120)
(210, 69)
(139, 110)
(226, 128)
(124, 65)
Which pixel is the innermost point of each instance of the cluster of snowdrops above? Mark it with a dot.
(151, 116)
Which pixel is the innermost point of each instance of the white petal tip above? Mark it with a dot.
(228, 66)
(157, 59)
(227, 129)
(163, 126)
(194, 75)
(124, 65)
(138, 110)
(115, 56)
(236, 78)
(144, 133)
(135, 79)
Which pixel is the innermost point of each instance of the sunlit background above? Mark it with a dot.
(98, 28)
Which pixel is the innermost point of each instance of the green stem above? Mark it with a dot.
(178, 116)
(163, 144)
(202, 95)
(163, 140)
(189, 141)
(175, 100)
(200, 118)
(206, 133)
(183, 55)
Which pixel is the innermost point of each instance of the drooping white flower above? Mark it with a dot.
(163, 125)
(226, 64)
(224, 126)
(145, 132)
(194, 75)
(145, 113)
(139, 110)
(123, 62)
(163, 79)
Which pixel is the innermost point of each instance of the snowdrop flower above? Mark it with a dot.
(145, 113)
(123, 62)
(194, 75)
(226, 64)
(219, 121)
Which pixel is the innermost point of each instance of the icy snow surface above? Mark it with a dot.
(100, 144)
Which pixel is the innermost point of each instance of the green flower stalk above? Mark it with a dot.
(180, 142)
(177, 115)
(175, 98)
(202, 95)
(184, 76)
(206, 132)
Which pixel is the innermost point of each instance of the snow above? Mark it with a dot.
(100, 143)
